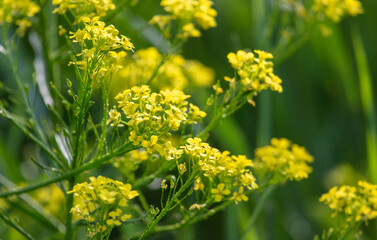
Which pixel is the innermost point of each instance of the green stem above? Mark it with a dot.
(105, 98)
(349, 230)
(236, 103)
(185, 222)
(367, 102)
(69, 205)
(258, 208)
(155, 71)
(167, 208)
(79, 126)
(148, 179)
(14, 225)
(120, 151)
(46, 41)
(198, 216)
(214, 122)
(143, 201)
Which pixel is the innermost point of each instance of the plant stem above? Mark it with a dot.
(258, 208)
(120, 151)
(14, 225)
(367, 102)
(69, 205)
(167, 208)
(148, 179)
(143, 201)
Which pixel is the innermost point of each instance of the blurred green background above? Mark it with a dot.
(323, 107)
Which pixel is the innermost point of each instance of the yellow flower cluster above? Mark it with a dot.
(83, 8)
(284, 159)
(224, 171)
(98, 203)
(357, 203)
(175, 73)
(337, 9)
(187, 13)
(18, 12)
(104, 40)
(255, 71)
(151, 117)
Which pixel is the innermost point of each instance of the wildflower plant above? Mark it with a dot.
(99, 204)
(105, 153)
(353, 205)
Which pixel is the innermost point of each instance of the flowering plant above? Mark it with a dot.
(115, 120)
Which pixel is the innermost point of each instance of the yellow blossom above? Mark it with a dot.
(175, 73)
(357, 203)
(103, 38)
(255, 71)
(164, 185)
(98, 57)
(94, 201)
(198, 184)
(172, 152)
(83, 8)
(220, 192)
(18, 12)
(218, 167)
(152, 145)
(284, 159)
(337, 9)
(151, 117)
(239, 196)
(114, 118)
(188, 14)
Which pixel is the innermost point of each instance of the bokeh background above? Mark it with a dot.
(323, 107)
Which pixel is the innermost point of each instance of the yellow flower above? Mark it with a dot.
(151, 146)
(18, 12)
(98, 42)
(83, 8)
(94, 202)
(357, 203)
(337, 9)
(151, 117)
(187, 13)
(239, 196)
(219, 167)
(172, 152)
(190, 30)
(255, 71)
(220, 192)
(104, 38)
(198, 184)
(284, 159)
(114, 118)
(175, 73)
(164, 185)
